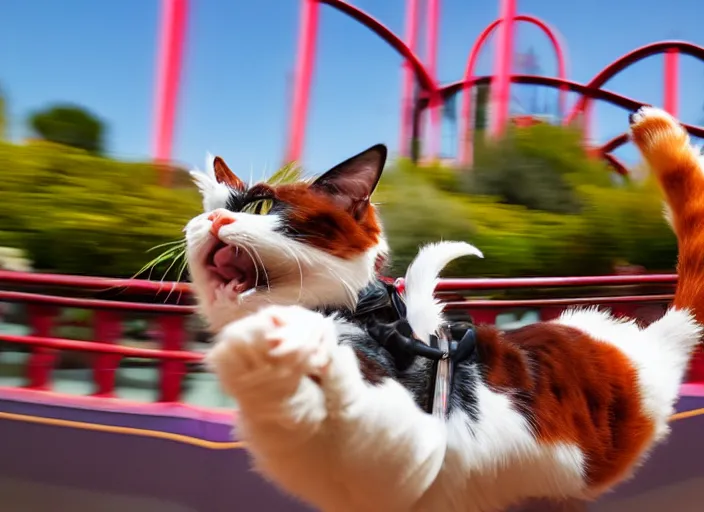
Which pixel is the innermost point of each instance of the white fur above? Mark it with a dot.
(500, 462)
(320, 431)
(299, 273)
(660, 353)
(214, 194)
(341, 445)
(423, 310)
(348, 446)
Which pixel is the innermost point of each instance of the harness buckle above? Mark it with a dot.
(443, 373)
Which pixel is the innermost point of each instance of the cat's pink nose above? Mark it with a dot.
(220, 218)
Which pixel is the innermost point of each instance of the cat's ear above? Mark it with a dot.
(224, 175)
(351, 183)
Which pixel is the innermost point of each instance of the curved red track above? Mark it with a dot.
(171, 48)
(587, 91)
(465, 146)
(592, 90)
(631, 58)
(427, 82)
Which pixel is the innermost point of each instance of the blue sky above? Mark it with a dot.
(240, 55)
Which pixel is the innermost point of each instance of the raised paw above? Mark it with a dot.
(658, 135)
(278, 341)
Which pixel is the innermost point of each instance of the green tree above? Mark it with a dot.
(89, 215)
(70, 125)
(535, 204)
(536, 167)
(481, 107)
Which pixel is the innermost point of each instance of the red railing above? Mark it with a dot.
(621, 299)
(42, 311)
(640, 296)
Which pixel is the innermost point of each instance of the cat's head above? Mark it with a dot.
(311, 242)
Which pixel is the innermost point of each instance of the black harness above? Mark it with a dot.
(382, 311)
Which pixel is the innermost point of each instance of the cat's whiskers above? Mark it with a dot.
(292, 251)
(181, 270)
(181, 254)
(256, 258)
(175, 250)
(350, 290)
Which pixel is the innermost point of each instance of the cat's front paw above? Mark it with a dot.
(284, 341)
(656, 133)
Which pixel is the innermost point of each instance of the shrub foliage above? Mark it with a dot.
(534, 203)
(77, 213)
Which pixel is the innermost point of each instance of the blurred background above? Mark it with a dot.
(105, 106)
(82, 109)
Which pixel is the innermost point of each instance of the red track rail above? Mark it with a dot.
(93, 283)
(447, 285)
(112, 305)
(174, 358)
(470, 305)
(138, 285)
(97, 347)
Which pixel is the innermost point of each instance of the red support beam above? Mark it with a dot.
(431, 56)
(303, 78)
(173, 371)
(466, 138)
(500, 95)
(671, 100)
(174, 14)
(108, 329)
(304, 65)
(42, 359)
(408, 79)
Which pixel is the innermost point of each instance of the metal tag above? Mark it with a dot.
(443, 375)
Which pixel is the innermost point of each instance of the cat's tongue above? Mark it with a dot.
(235, 267)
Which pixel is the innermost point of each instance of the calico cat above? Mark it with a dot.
(564, 409)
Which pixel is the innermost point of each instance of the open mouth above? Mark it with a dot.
(235, 268)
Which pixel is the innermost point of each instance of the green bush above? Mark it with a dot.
(615, 225)
(73, 212)
(537, 167)
(77, 213)
(534, 203)
(70, 125)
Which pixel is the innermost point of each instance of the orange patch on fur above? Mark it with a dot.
(316, 218)
(665, 146)
(223, 174)
(574, 389)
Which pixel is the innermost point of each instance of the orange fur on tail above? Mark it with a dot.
(665, 146)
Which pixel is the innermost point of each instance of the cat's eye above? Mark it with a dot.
(259, 207)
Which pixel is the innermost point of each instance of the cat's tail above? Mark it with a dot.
(423, 310)
(665, 146)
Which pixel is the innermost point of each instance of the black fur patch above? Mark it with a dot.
(464, 391)
(376, 363)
